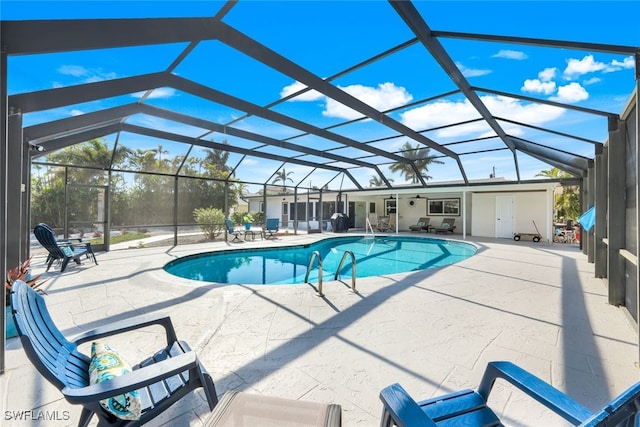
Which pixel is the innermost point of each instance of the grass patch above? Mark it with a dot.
(133, 235)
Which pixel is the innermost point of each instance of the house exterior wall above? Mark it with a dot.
(528, 206)
(477, 215)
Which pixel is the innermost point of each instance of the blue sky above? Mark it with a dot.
(328, 37)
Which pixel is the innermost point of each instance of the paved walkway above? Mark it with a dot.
(433, 331)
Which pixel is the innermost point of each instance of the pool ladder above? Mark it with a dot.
(316, 255)
(368, 227)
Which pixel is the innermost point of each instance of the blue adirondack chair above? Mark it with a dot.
(63, 251)
(469, 408)
(271, 227)
(160, 380)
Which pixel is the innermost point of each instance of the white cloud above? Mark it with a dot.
(446, 112)
(592, 80)
(311, 95)
(385, 96)
(627, 62)
(537, 86)
(73, 70)
(88, 75)
(571, 93)
(471, 72)
(511, 54)
(159, 93)
(578, 67)
(547, 74)
(76, 112)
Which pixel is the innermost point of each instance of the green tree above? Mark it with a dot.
(567, 197)
(282, 176)
(553, 173)
(420, 157)
(568, 203)
(48, 188)
(376, 181)
(159, 152)
(137, 197)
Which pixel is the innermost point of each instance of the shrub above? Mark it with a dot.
(237, 218)
(258, 217)
(210, 220)
(241, 218)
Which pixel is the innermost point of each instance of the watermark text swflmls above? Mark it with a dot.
(37, 415)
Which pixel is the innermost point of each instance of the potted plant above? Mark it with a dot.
(21, 272)
(247, 219)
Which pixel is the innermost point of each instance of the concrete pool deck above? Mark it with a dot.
(433, 331)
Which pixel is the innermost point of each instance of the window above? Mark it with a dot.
(389, 206)
(285, 208)
(443, 207)
(301, 211)
(328, 209)
(372, 207)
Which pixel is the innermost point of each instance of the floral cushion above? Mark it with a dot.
(67, 251)
(106, 364)
(420, 223)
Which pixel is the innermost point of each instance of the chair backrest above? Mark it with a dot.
(449, 221)
(229, 224)
(272, 224)
(401, 410)
(47, 239)
(424, 220)
(57, 359)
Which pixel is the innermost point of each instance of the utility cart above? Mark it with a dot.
(534, 236)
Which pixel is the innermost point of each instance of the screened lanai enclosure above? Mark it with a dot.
(136, 117)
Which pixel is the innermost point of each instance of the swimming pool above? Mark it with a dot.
(288, 265)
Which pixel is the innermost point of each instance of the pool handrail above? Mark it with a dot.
(315, 255)
(368, 226)
(353, 269)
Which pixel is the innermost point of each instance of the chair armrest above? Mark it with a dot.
(131, 324)
(403, 410)
(533, 386)
(133, 380)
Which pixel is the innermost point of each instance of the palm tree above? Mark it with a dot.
(377, 181)
(420, 157)
(159, 152)
(553, 173)
(567, 199)
(282, 175)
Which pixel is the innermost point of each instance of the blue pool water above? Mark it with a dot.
(288, 265)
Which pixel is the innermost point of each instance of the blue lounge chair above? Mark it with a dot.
(160, 381)
(271, 227)
(232, 231)
(469, 408)
(65, 251)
